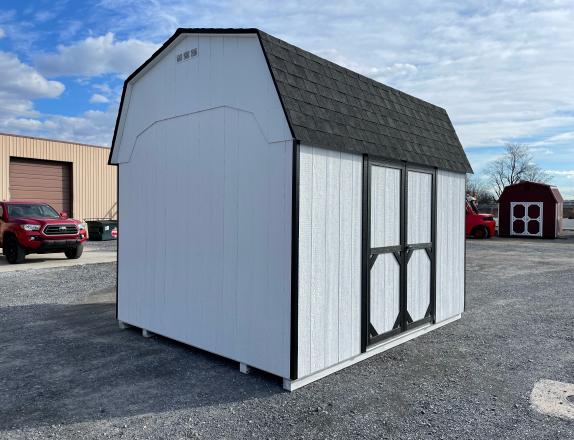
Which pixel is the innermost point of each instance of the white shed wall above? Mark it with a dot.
(450, 261)
(329, 324)
(229, 70)
(205, 204)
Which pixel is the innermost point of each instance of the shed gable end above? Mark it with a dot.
(200, 72)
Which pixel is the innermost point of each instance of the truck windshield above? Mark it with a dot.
(472, 204)
(35, 210)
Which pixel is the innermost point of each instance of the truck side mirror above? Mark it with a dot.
(64, 214)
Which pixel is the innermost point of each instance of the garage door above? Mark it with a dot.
(42, 180)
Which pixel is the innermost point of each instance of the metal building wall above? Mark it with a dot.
(94, 181)
(329, 315)
(450, 245)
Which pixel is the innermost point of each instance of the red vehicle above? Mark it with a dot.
(478, 225)
(37, 228)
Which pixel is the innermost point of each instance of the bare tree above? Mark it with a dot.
(515, 166)
(478, 188)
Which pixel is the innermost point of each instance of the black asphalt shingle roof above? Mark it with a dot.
(332, 107)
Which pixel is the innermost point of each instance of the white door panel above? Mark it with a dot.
(400, 254)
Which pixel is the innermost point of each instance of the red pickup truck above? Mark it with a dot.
(37, 228)
(478, 225)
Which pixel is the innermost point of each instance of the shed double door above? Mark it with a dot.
(398, 250)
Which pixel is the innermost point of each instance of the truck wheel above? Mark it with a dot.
(480, 233)
(15, 253)
(75, 253)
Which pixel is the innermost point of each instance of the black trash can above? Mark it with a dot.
(100, 229)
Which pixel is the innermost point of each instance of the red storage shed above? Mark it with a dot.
(530, 209)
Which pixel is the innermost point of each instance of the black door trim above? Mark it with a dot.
(402, 253)
(365, 257)
(294, 336)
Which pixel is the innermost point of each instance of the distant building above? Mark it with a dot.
(72, 177)
(530, 209)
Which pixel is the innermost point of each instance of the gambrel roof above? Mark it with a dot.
(329, 106)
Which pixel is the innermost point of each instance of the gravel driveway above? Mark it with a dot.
(67, 371)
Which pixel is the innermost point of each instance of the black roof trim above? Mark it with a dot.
(329, 106)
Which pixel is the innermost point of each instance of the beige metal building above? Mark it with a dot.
(74, 178)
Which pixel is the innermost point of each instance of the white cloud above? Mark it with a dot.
(44, 16)
(497, 67)
(569, 174)
(488, 131)
(387, 73)
(561, 138)
(70, 29)
(21, 124)
(2, 33)
(396, 71)
(103, 88)
(96, 56)
(91, 127)
(21, 80)
(20, 84)
(99, 99)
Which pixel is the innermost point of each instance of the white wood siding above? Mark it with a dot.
(229, 70)
(385, 231)
(329, 324)
(419, 226)
(419, 207)
(205, 200)
(418, 284)
(385, 206)
(450, 245)
(385, 292)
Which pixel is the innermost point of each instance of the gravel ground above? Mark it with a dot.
(65, 285)
(109, 245)
(67, 372)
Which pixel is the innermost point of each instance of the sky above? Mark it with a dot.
(503, 69)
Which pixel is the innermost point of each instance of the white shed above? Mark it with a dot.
(280, 210)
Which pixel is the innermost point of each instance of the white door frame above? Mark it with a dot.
(526, 218)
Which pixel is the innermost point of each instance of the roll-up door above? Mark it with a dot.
(43, 181)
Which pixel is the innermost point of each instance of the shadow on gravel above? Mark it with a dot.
(72, 364)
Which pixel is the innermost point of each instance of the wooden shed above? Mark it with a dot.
(530, 209)
(283, 211)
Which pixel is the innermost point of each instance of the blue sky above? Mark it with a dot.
(502, 69)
